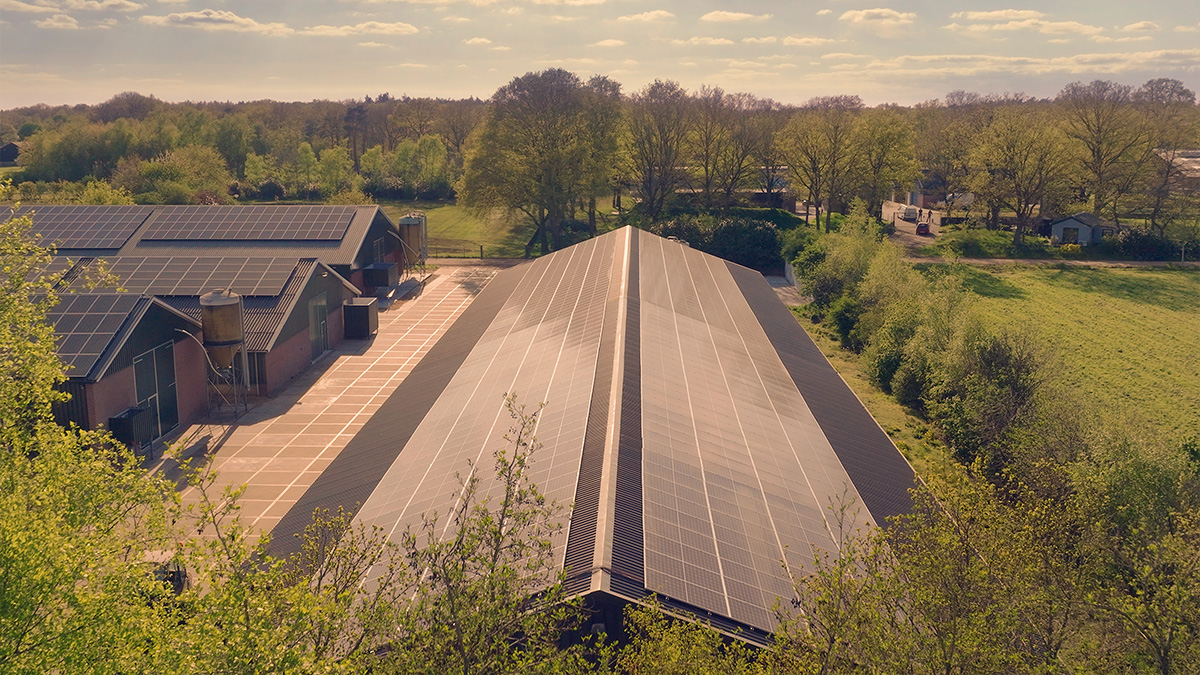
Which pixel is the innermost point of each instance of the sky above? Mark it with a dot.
(886, 51)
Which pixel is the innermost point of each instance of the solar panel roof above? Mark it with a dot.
(686, 420)
(249, 223)
(87, 227)
(86, 323)
(179, 275)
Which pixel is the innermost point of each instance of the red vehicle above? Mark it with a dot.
(922, 228)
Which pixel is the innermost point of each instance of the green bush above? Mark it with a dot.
(844, 313)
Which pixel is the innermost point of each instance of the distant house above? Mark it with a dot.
(1186, 164)
(1084, 229)
(9, 153)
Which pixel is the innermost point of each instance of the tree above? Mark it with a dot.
(1170, 109)
(78, 517)
(660, 123)
(885, 144)
(1111, 137)
(531, 154)
(818, 146)
(1021, 162)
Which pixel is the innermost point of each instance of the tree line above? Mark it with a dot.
(1051, 537)
(547, 146)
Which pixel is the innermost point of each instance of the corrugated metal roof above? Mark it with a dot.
(727, 433)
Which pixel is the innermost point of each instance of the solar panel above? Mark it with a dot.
(177, 275)
(249, 223)
(93, 227)
(85, 324)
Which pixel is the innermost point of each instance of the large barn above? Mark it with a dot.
(698, 432)
(358, 242)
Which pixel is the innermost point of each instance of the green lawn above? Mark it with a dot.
(11, 172)
(1129, 339)
(456, 232)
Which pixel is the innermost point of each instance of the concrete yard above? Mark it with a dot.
(282, 444)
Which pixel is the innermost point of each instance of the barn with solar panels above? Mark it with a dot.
(293, 314)
(699, 434)
(134, 365)
(358, 242)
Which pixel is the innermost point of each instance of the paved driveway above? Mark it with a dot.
(280, 447)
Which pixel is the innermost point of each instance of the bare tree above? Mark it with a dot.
(659, 124)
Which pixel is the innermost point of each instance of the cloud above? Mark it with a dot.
(408, 65)
(1035, 25)
(825, 12)
(455, 19)
(1104, 39)
(1187, 29)
(768, 40)
(217, 20)
(806, 41)
(372, 44)
(608, 43)
(708, 41)
(18, 6)
(569, 3)
(974, 65)
(101, 5)
(365, 28)
(999, 15)
(58, 22)
(477, 41)
(500, 48)
(721, 16)
(648, 17)
(1142, 26)
(843, 55)
(881, 21)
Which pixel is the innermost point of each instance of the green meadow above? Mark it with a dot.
(1128, 338)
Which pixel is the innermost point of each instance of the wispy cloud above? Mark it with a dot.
(477, 41)
(365, 28)
(455, 19)
(1142, 26)
(1032, 25)
(608, 43)
(647, 17)
(999, 15)
(824, 12)
(102, 5)
(971, 65)
(18, 6)
(881, 21)
(217, 20)
(768, 40)
(722, 16)
(806, 41)
(703, 41)
(1104, 39)
(58, 22)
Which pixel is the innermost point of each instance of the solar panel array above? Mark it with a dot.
(178, 275)
(543, 346)
(249, 223)
(86, 323)
(89, 227)
(737, 474)
(720, 471)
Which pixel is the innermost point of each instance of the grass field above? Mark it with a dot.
(1129, 339)
(10, 172)
(456, 232)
